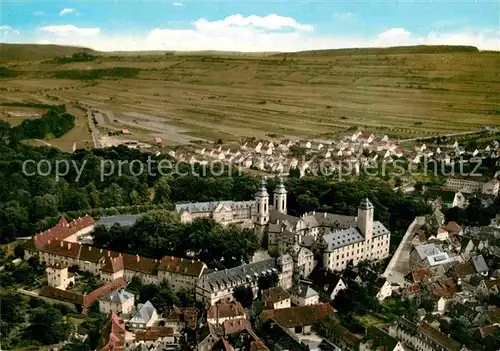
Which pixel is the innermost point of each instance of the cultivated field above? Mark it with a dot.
(212, 97)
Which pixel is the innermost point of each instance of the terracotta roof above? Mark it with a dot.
(444, 341)
(181, 266)
(140, 264)
(298, 316)
(420, 274)
(154, 333)
(61, 295)
(226, 310)
(275, 294)
(112, 335)
(490, 329)
(491, 283)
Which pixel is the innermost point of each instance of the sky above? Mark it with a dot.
(258, 25)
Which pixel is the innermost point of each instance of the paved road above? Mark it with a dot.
(442, 135)
(399, 265)
(94, 131)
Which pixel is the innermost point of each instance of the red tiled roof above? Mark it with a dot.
(181, 266)
(298, 316)
(62, 230)
(226, 310)
(233, 326)
(421, 274)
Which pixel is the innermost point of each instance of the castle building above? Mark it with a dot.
(369, 240)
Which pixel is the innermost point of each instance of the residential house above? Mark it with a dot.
(220, 312)
(383, 288)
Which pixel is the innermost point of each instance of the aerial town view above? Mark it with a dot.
(250, 176)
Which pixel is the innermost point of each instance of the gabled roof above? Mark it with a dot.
(304, 290)
(221, 310)
(420, 274)
(153, 333)
(380, 340)
(275, 294)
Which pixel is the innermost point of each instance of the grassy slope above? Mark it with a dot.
(444, 89)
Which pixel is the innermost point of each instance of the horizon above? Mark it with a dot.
(268, 26)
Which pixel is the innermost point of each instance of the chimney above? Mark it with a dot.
(137, 258)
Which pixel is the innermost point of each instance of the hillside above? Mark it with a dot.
(34, 52)
(427, 91)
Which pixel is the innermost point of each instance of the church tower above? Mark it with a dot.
(262, 202)
(279, 202)
(365, 218)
